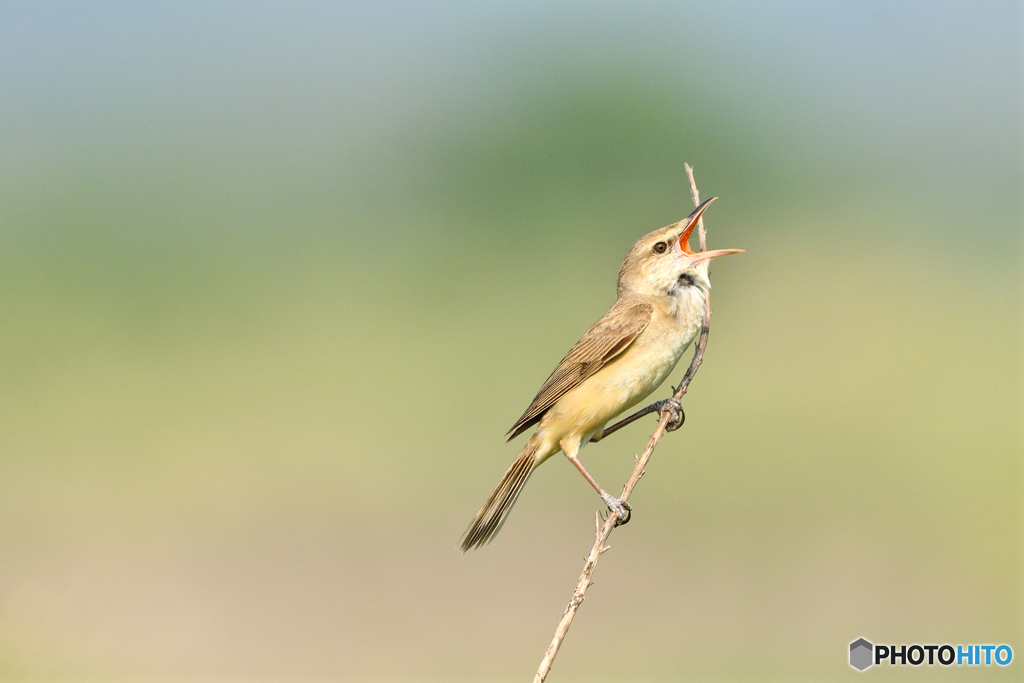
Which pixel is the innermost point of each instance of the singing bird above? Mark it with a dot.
(625, 356)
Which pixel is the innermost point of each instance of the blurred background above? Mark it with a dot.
(276, 278)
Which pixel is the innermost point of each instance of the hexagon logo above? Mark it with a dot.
(861, 654)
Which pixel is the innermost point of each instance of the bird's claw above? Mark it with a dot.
(620, 507)
(675, 410)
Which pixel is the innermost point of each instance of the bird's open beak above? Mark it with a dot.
(684, 239)
(691, 221)
(715, 253)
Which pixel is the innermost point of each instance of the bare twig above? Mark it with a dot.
(604, 530)
(703, 236)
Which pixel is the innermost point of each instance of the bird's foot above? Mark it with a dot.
(675, 409)
(619, 507)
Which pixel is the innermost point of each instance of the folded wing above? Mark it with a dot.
(608, 338)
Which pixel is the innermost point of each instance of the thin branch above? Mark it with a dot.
(604, 531)
(703, 236)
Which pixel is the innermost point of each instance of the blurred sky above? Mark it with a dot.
(276, 277)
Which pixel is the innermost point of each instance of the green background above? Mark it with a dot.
(276, 278)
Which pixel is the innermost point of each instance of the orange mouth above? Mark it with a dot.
(684, 239)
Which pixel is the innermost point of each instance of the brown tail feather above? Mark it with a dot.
(492, 515)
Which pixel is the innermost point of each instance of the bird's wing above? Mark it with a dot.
(609, 337)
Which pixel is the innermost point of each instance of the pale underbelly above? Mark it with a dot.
(614, 389)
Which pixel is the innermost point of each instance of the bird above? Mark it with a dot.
(622, 359)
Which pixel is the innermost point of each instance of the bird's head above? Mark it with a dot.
(661, 262)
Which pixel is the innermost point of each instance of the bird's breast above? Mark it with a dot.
(653, 355)
(631, 377)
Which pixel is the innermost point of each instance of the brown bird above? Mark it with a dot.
(625, 356)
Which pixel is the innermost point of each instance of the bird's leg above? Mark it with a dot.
(671, 404)
(675, 409)
(623, 422)
(617, 505)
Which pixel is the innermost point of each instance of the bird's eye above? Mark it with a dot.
(660, 248)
